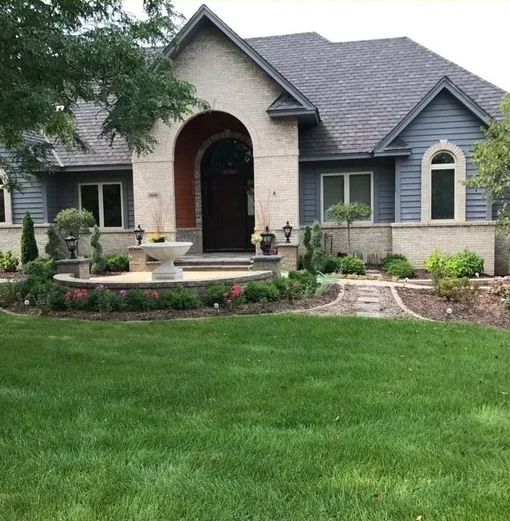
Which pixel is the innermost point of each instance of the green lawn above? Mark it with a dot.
(260, 418)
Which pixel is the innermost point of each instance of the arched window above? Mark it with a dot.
(442, 174)
(443, 192)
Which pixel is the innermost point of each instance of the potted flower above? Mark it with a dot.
(157, 217)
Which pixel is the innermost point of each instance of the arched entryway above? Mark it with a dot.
(213, 175)
(228, 212)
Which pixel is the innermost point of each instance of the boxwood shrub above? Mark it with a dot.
(352, 266)
(389, 259)
(261, 292)
(179, 298)
(401, 269)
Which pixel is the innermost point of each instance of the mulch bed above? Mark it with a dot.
(485, 309)
(247, 309)
(12, 275)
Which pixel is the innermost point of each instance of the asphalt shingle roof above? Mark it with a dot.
(362, 89)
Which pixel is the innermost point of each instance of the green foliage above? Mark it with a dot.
(307, 280)
(389, 259)
(318, 253)
(8, 261)
(330, 264)
(463, 264)
(492, 159)
(307, 257)
(55, 247)
(352, 266)
(348, 213)
(29, 251)
(57, 53)
(402, 269)
(47, 295)
(73, 221)
(261, 292)
(289, 288)
(455, 289)
(98, 264)
(41, 269)
(103, 301)
(117, 263)
(179, 298)
(214, 294)
(139, 300)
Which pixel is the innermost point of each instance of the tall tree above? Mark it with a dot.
(492, 159)
(56, 53)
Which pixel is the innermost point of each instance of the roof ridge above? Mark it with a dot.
(288, 34)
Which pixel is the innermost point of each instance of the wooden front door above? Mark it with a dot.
(227, 185)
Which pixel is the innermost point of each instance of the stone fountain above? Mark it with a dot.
(167, 253)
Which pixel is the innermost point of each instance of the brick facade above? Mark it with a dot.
(232, 83)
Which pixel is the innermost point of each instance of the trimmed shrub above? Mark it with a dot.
(73, 221)
(215, 294)
(389, 259)
(179, 298)
(41, 269)
(8, 262)
(454, 289)
(465, 264)
(401, 269)
(48, 296)
(104, 301)
(352, 266)
(261, 292)
(117, 263)
(289, 288)
(307, 257)
(29, 251)
(139, 300)
(308, 281)
(331, 264)
(98, 263)
(55, 247)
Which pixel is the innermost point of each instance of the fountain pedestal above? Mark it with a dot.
(167, 253)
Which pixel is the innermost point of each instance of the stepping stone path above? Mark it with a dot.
(368, 302)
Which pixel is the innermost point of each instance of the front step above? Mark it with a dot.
(214, 262)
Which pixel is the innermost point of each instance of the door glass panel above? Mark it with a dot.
(360, 189)
(443, 194)
(90, 200)
(332, 193)
(2, 206)
(112, 206)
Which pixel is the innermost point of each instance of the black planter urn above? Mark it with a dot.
(266, 243)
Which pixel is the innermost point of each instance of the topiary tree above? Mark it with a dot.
(98, 261)
(29, 251)
(55, 247)
(307, 257)
(72, 221)
(318, 253)
(348, 213)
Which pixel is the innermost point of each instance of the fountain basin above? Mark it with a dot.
(167, 253)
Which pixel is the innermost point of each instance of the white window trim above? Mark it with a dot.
(7, 202)
(101, 206)
(460, 179)
(347, 176)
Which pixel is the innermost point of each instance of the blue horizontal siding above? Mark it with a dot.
(444, 118)
(31, 197)
(384, 187)
(63, 189)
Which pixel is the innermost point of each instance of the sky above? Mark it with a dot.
(472, 33)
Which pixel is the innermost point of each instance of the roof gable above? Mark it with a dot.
(302, 106)
(444, 84)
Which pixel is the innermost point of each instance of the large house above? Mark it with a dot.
(295, 124)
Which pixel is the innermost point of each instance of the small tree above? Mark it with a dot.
(318, 252)
(72, 221)
(347, 214)
(307, 257)
(492, 159)
(29, 251)
(55, 247)
(98, 261)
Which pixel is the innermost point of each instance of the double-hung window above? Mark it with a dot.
(346, 188)
(105, 202)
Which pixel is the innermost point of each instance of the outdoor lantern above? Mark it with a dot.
(266, 241)
(287, 230)
(72, 244)
(139, 235)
